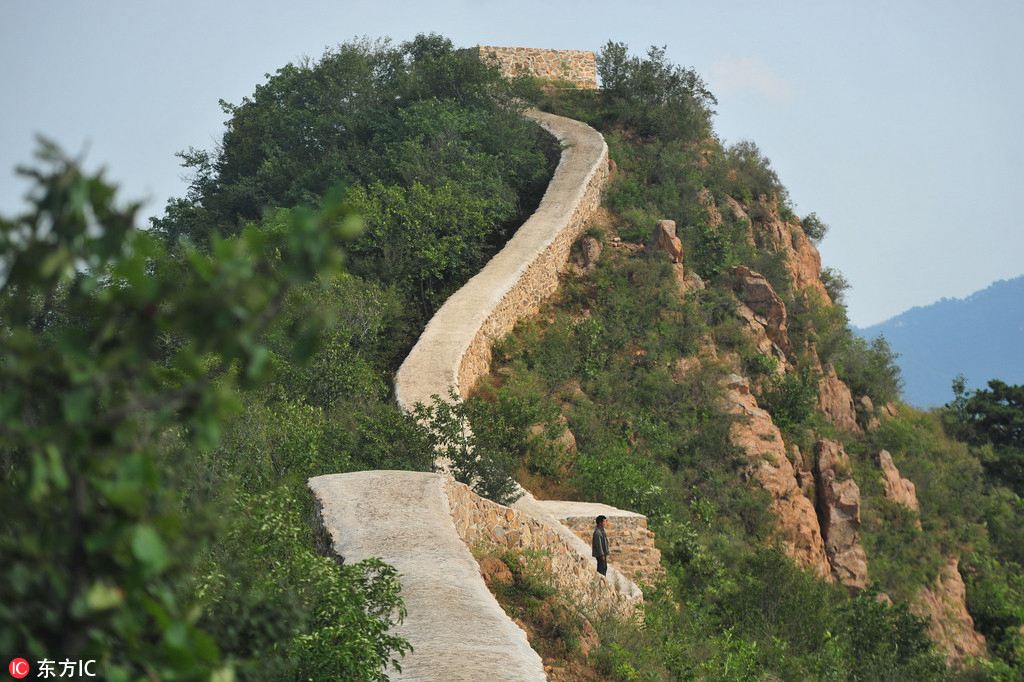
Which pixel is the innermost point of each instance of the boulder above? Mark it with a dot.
(866, 414)
(757, 293)
(590, 251)
(686, 281)
(565, 438)
(839, 512)
(665, 239)
(495, 572)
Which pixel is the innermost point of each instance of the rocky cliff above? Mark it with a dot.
(815, 498)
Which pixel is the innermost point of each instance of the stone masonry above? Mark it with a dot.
(632, 544)
(482, 522)
(577, 67)
(457, 627)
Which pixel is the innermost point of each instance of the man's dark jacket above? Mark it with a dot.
(599, 544)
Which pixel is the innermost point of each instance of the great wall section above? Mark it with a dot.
(424, 524)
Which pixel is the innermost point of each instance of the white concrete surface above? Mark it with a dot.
(567, 509)
(456, 626)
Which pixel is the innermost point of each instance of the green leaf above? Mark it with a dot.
(56, 465)
(102, 596)
(149, 548)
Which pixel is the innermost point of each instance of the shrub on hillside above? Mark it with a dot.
(869, 369)
(652, 96)
(744, 173)
(791, 399)
(814, 227)
(283, 611)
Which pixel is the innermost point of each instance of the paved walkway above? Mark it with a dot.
(457, 627)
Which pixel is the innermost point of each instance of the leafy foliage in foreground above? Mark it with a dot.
(116, 366)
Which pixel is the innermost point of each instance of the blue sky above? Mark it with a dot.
(897, 122)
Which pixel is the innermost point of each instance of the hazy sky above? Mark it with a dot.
(897, 122)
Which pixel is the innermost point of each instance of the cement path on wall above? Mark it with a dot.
(436, 361)
(456, 626)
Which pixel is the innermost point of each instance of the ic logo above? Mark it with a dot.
(18, 668)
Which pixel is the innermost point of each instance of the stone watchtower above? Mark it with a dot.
(577, 67)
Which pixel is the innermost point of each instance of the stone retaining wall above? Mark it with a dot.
(481, 522)
(630, 541)
(578, 67)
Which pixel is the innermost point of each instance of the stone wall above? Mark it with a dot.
(538, 280)
(631, 543)
(481, 522)
(578, 67)
(454, 350)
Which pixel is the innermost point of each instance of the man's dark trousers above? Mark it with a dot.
(602, 565)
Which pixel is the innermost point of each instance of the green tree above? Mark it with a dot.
(994, 415)
(814, 227)
(429, 140)
(110, 351)
(480, 446)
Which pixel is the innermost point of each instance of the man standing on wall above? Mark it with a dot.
(599, 546)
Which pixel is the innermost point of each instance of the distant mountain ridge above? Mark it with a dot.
(980, 336)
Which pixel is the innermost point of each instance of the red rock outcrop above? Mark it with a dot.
(740, 216)
(756, 434)
(839, 512)
(944, 605)
(896, 488)
(803, 262)
(836, 401)
(866, 416)
(665, 239)
(757, 294)
(756, 329)
(708, 202)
